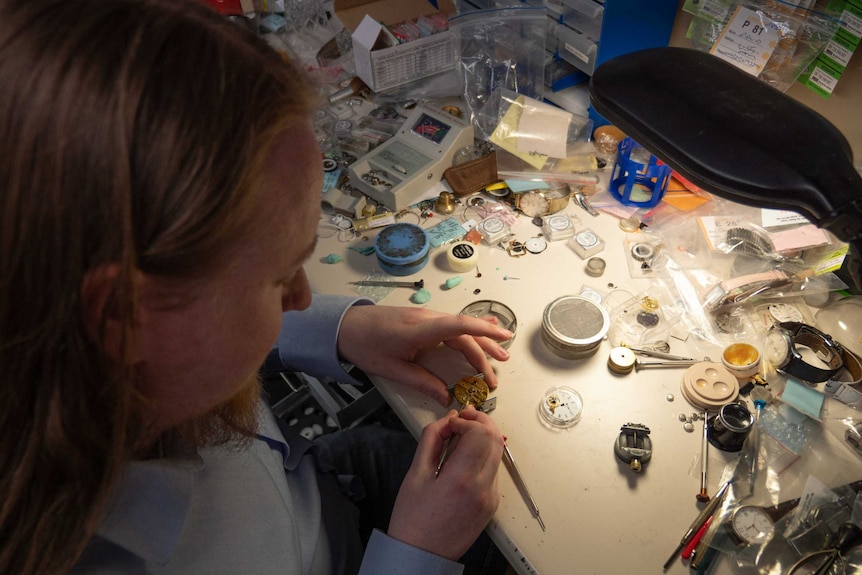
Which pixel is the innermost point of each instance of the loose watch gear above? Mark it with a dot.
(471, 390)
(781, 342)
(545, 201)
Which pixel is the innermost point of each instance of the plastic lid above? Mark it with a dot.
(401, 244)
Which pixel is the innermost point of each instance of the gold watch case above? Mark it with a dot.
(544, 201)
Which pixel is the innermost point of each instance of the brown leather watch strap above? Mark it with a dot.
(470, 177)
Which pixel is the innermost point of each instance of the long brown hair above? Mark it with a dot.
(133, 132)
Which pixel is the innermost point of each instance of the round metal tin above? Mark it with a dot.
(573, 326)
(490, 308)
(402, 249)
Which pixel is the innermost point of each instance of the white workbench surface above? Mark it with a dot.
(601, 517)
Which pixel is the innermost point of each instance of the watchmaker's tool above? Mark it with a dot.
(658, 353)
(704, 463)
(729, 428)
(468, 391)
(582, 200)
(633, 445)
(761, 396)
(398, 172)
(658, 363)
(698, 522)
(383, 283)
(519, 481)
(689, 548)
(708, 386)
(849, 536)
(621, 360)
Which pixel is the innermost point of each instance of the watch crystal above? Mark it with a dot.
(752, 524)
(561, 407)
(533, 203)
(777, 347)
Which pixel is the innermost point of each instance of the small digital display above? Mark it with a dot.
(431, 128)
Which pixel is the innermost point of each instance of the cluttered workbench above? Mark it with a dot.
(681, 392)
(601, 516)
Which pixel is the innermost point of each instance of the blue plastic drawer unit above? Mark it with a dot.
(592, 32)
(402, 249)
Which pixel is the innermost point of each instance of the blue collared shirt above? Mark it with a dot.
(252, 509)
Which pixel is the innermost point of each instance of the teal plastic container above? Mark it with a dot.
(402, 249)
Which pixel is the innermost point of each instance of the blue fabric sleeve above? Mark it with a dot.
(308, 341)
(387, 556)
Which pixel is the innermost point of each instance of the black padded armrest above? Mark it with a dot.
(732, 134)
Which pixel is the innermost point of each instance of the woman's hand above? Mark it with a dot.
(385, 340)
(445, 513)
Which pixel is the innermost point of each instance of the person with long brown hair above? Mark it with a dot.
(159, 191)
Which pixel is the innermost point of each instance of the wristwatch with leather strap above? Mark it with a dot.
(781, 351)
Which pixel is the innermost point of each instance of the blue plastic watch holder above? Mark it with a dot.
(402, 249)
(635, 183)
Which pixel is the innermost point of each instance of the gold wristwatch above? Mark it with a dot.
(544, 201)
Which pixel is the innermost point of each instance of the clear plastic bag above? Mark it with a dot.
(538, 141)
(501, 48)
(807, 491)
(771, 39)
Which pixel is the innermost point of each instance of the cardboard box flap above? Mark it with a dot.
(368, 34)
(351, 12)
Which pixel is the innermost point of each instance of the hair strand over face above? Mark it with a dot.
(134, 132)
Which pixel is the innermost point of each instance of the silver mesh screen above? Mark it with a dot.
(575, 319)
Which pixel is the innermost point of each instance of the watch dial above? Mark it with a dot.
(535, 245)
(561, 406)
(533, 204)
(752, 524)
(784, 312)
(777, 347)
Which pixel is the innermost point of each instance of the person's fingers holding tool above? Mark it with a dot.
(444, 513)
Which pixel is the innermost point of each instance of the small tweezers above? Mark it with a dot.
(519, 481)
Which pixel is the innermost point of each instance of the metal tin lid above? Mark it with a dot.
(401, 244)
(573, 326)
(490, 308)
